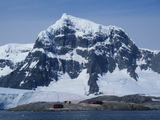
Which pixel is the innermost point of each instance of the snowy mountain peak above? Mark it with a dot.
(65, 16)
(80, 26)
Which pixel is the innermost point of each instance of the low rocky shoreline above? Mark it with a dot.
(129, 102)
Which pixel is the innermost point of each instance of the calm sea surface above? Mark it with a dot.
(81, 115)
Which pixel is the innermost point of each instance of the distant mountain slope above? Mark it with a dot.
(11, 55)
(80, 56)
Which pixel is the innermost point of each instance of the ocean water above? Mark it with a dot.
(81, 115)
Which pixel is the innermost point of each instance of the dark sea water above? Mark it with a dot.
(81, 115)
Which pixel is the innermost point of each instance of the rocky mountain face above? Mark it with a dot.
(72, 45)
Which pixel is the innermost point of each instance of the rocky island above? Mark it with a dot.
(128, 102)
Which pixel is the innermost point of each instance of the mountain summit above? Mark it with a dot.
(75, 51)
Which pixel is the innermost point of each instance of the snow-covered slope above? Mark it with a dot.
(117, 83)
(11, 55)
(15, 52)
(120, 83)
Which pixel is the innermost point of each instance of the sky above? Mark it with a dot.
(22, 20)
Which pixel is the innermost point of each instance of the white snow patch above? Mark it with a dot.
(141, 62)
(4, 71)
(38, 49)
(60, 35)
(156, 99)
(51, 55)
(65, 83)
(73, 56)
(21, 83)
(25, 65)
(33, 64)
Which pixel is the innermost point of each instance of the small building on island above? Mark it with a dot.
(58, 105)
(95, 102)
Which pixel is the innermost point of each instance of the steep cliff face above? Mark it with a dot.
(73, 45)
